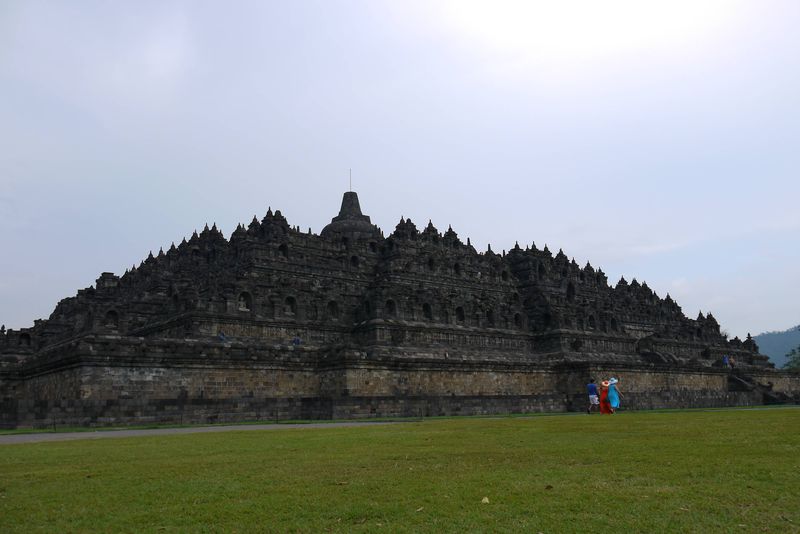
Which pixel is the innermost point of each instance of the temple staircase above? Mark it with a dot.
(739, 381)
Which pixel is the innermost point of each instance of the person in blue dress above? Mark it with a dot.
(614, 394)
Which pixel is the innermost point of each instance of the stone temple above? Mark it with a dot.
(276, 323)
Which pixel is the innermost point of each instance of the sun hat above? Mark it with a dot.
(604, 383)
(612, 381)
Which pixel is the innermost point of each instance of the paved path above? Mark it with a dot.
(11, 439)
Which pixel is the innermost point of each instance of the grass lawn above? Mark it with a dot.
(722, 471)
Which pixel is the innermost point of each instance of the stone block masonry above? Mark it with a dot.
(275, 323)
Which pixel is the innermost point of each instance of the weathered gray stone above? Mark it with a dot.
(274, 323)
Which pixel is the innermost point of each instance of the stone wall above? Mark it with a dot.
(126, 395)
(781, 382)
(107, 380)
(453, 382)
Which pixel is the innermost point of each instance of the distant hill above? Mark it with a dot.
(777, 344)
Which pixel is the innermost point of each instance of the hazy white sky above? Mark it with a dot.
(656, 140)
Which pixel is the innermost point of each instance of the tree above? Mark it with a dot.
(793, 360)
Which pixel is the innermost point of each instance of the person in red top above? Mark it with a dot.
(605, 406)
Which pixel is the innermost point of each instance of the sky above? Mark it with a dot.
(657, 140)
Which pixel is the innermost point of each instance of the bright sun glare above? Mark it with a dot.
(563, 29)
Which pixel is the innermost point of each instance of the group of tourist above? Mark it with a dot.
(606, 400)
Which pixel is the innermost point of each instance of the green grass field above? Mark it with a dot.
(723, 471)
